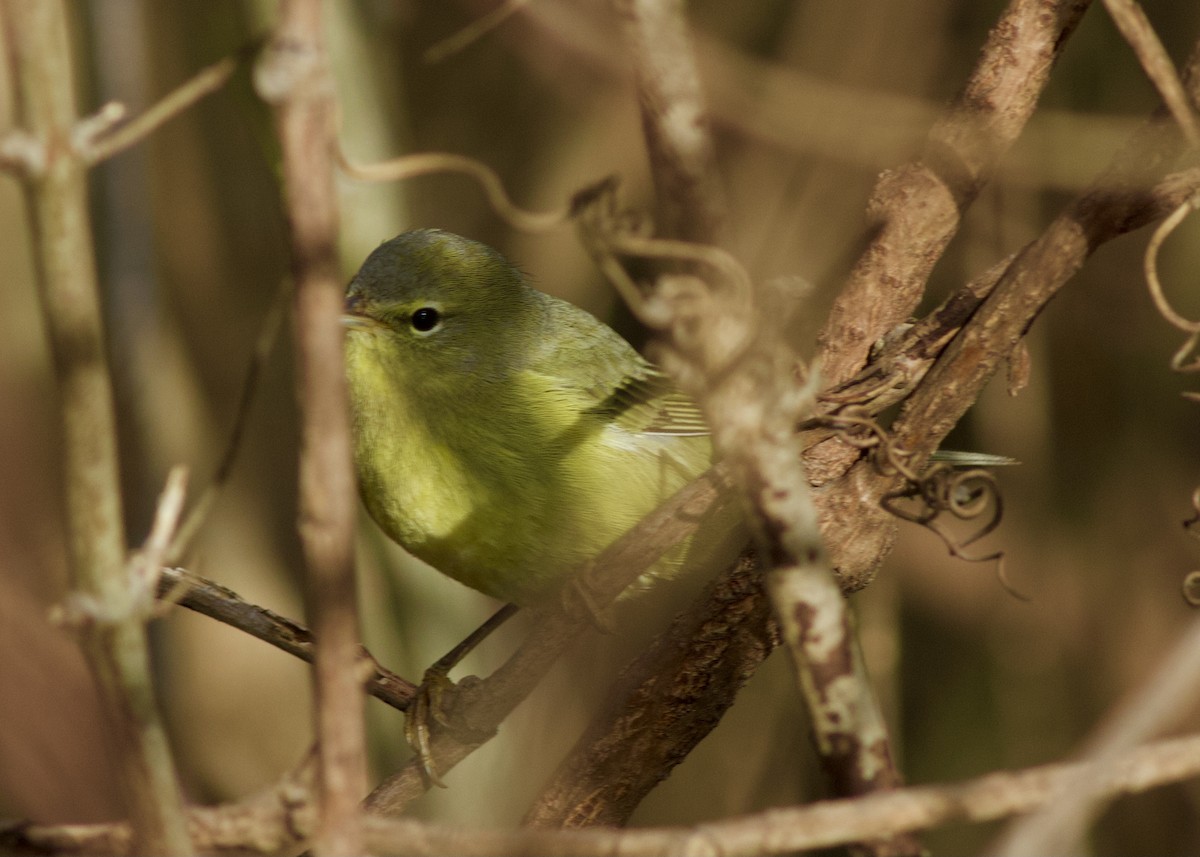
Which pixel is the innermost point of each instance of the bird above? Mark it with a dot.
(504, 436)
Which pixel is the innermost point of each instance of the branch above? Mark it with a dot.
(177, 586)
(1170, 694)
(97, 148)
(115, 641)
(778, 831)
(293, 75)
(915, 209)
(664, 704)
(690, 203)
(1130, 193)
(1132, 22)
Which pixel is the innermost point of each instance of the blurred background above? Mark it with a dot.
(810, 100)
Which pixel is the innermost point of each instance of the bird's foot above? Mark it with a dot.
(428, 707)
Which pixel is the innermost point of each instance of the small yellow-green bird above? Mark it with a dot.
(502, 435)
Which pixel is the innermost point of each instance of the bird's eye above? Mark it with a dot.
(425, 319)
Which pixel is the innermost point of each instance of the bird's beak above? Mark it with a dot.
(354, 316)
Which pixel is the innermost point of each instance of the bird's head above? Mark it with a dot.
(436, 303)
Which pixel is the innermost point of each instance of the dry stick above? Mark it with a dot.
(689, 202)
(115, 643)
(824, 824)
(270, 823)
(1169, 695)
(178, 586)
(293, 75)
(916, 208)
(205, 82)
(1132, 22)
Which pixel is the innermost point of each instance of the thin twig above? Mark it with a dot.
(40, 49)
(1156, 62)
(427, 163)
(281, 819)
(690, 203)
(473, 32)
(190, 529)
(203, 83)
(146, 564)
(293, 75)
(178, 586)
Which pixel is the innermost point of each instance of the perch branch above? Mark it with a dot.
(177, 586)
(477, 707)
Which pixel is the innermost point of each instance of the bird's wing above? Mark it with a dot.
(613, 381)
(647, 401)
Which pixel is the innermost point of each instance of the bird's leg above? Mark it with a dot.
(428, 703)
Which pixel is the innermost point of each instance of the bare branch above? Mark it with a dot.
(177, 586)
(1170, 693)
(38, 43)
(916, 208)
(293, 75)
(1156, 62)
(279, 818)
(690, 203)
(666, 701)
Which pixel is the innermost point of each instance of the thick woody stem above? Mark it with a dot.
(113, 608)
